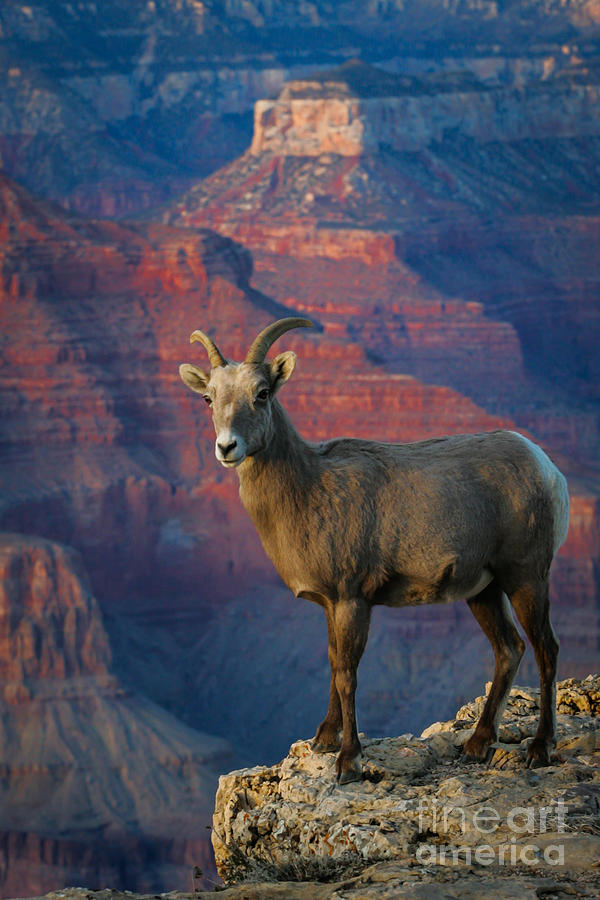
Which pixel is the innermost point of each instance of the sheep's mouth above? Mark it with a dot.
(232, 463)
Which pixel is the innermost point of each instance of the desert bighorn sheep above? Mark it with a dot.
(352, 523)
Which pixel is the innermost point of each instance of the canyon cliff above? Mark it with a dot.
(97, 781)
(111, 109)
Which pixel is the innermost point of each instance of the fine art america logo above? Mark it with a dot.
(524, 823)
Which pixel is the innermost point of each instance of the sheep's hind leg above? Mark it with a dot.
(492, 610)
(351, 618)
(532, 605)
(329, 733)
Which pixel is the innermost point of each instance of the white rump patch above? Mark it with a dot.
(557, 485)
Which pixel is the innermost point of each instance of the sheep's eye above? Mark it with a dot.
(207, 399)
(263, 395)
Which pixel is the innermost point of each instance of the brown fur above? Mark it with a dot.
(351, 523)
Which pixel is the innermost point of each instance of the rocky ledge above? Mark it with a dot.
(422, 815)
(423, 824)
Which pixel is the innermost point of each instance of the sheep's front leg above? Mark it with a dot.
(351, 619)
(329, 733)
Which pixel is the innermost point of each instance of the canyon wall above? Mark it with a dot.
(95, 777)
(50, 626)
(112, 110)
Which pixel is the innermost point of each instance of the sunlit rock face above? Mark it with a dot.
(358, 110)
(95, 319)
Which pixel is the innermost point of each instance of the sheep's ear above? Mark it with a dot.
(281, 369)
(194, 377)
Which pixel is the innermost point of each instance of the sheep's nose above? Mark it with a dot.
(226, 449)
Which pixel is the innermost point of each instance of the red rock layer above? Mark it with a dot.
(392, 313)
(97, 430)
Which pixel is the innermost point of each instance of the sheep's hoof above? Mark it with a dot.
(349, 776)
(321, 746)
(478, 749)
(326, 741)
(538, 753)
(349, 770)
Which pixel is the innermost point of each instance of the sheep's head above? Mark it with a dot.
(240, 394)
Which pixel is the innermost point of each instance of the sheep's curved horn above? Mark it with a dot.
(214, 354)
(268, 336)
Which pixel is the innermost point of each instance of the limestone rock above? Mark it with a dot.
(423, 807)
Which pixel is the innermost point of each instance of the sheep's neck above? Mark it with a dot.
(277, 480)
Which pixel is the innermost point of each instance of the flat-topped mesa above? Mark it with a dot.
(358, 109)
